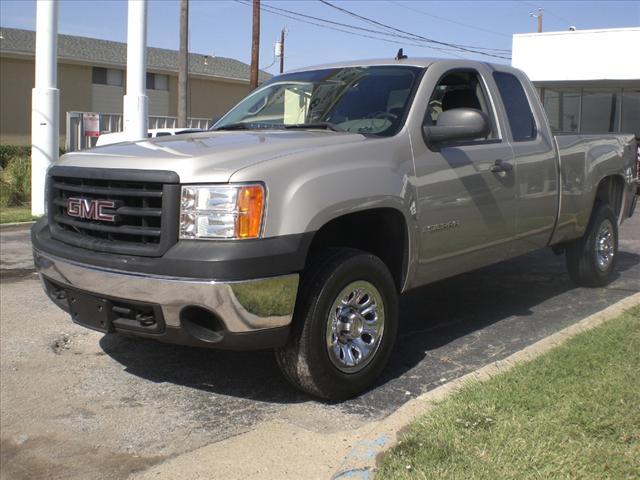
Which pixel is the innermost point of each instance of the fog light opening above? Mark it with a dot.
(201, 323)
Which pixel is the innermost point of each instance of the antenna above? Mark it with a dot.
(400, 55)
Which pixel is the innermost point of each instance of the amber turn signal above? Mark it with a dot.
(250, 203)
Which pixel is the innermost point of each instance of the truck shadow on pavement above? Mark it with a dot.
(447, 329)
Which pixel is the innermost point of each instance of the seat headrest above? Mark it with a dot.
(460, 99)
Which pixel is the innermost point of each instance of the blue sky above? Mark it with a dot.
(223, 27)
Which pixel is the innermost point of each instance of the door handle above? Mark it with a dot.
(500, 166)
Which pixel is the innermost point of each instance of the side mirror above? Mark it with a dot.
(457, 124)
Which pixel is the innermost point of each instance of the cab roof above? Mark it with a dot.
(421, 62)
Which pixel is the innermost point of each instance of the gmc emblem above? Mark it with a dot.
(90, 209)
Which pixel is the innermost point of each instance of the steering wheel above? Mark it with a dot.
(383, 118)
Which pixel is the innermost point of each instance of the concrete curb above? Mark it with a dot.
(279, 449)
(15, 225)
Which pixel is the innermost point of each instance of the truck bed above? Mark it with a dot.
(585, 159)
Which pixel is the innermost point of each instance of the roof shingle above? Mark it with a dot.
(105, 52)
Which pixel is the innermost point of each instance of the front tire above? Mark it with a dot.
(344, 327)
(591, 259)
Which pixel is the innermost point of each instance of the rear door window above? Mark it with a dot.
(516, 104)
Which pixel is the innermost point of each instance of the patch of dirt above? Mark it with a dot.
(61, 343)
(11, 275)
(42, 457)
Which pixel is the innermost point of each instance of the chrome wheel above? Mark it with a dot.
(604, 246)
(355, 326)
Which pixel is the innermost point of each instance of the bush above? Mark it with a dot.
(6, 194)
(15, 174)
(7, 152)
(15, 182)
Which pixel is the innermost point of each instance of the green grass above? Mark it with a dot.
(16, 214)
(573, 413)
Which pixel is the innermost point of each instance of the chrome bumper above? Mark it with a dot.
(245, 306)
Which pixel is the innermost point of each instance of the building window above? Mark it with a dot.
(563, 109)
(630, 111)
(107, 76)
(592, 110)
(157, 81)
(599, 111)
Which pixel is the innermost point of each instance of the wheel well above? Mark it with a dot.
(380, 231)
(610, 191)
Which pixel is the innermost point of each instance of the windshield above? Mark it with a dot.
(367, 100)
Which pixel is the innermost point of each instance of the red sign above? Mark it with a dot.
(91, 124)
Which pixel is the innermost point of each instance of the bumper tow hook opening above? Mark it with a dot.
(130, 316)
(123, 311)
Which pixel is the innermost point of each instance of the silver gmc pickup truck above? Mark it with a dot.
(299, 218)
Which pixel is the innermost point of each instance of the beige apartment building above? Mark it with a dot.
(92, 77)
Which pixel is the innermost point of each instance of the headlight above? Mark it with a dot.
(221, 211)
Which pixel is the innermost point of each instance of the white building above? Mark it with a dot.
(588, 80)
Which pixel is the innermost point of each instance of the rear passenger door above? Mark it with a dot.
(536, 174)
(466, 211)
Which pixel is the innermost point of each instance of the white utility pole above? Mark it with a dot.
(136, 103)
(45, 102)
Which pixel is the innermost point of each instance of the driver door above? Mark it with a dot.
(466, 212)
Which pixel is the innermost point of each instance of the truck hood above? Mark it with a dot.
(208, 157)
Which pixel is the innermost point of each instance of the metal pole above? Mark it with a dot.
(183, 63)
(255, 45)
(135, 102)
(45, 102)
(282, 51)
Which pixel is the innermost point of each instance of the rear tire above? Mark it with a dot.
(591, 259)
(344, 327)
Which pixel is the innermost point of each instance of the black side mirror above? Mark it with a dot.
(457, 124)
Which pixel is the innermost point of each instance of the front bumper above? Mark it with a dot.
(248, 314)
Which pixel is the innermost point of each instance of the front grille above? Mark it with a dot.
(145, 209)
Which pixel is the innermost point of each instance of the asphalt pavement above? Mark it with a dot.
(79, 405)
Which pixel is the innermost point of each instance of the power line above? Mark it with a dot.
(407, 35)
(474, 27)
(470, 49)
(467, 48)
(377, 32)
(268, 10)
(339, 26)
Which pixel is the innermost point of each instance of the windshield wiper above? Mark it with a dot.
(233, 126)
(325, 125)
(253, 126)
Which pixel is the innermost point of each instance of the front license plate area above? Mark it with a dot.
(89, 311)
